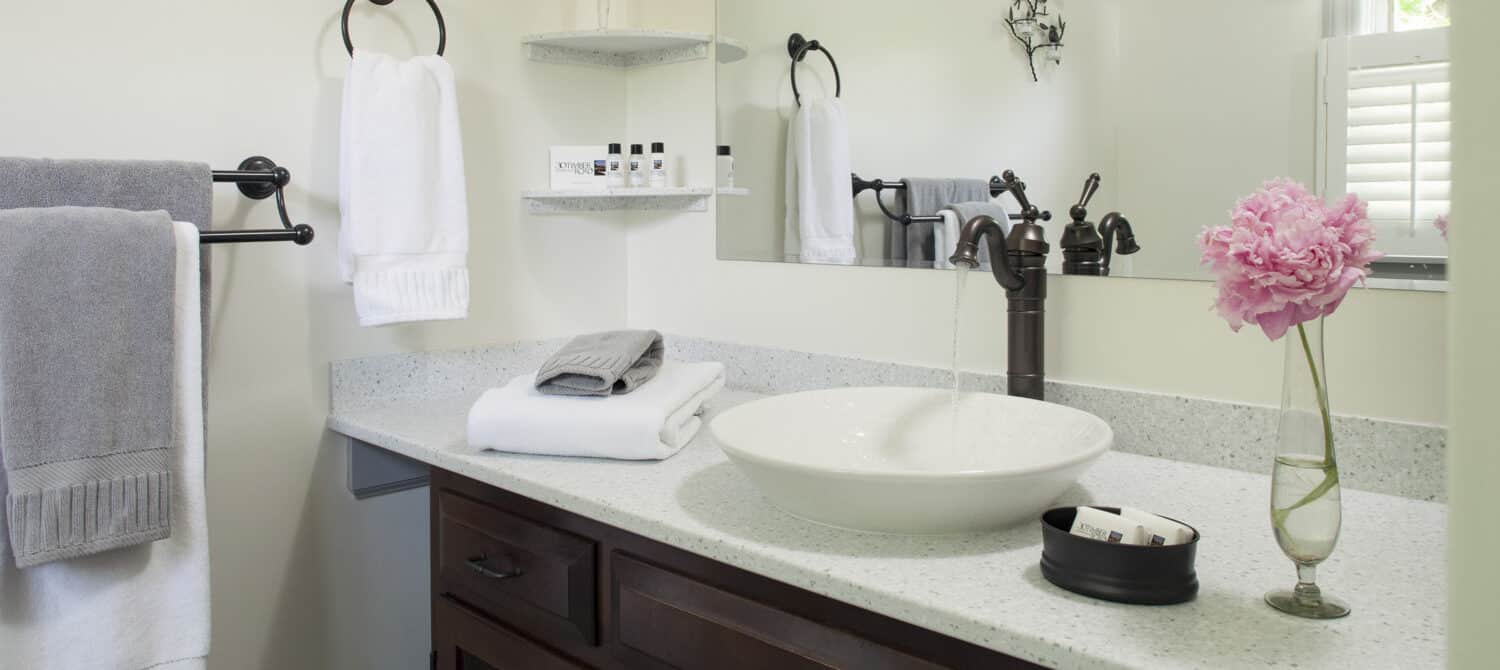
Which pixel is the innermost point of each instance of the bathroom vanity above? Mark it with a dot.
(519, 583)
(663, 564)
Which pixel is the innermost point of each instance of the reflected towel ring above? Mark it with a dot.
(442, 27)
(798, 46)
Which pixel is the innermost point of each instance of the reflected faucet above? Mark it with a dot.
(1019, 264)
(1087, 251)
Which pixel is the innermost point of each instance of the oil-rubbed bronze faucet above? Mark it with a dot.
(1087, 251)
(1020, 267)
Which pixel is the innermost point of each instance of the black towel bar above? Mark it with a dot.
(259, 178)
(997, 187)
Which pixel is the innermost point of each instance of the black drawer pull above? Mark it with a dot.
(478, 566)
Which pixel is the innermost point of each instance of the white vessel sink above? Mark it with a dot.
(885, 459)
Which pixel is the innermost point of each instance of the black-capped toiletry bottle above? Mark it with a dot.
(658, 165)
(615, 173)
(725, 165)
(637, 166)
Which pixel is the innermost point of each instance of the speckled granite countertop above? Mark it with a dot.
(988, 588)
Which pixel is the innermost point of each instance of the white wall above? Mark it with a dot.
(1474, 461)
(1387, 350)
(304, 576)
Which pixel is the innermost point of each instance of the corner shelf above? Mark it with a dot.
(617, 48)
(731, 50)
(690, 199)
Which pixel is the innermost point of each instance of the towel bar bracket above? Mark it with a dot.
(259, 178)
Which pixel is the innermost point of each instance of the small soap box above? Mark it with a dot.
(1140, 574)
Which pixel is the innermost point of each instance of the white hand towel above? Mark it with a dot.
(819, 195)
(138, 607)
(404, 238)
(653, 422)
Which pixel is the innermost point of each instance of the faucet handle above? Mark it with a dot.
(1017, 189)
(1090, 186)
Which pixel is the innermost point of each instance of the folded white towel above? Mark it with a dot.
(139, 607)
(404, 238)
(819, 202)
(653, 422)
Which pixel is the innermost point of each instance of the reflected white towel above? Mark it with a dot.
(653, 422)
(819, 199)
(139, 607)
(945, 234)
(945, 239)
(404, 238)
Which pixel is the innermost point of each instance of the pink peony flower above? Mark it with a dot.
(1286, 257)
(1441, 223)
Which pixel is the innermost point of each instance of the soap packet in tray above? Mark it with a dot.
(1130, 526)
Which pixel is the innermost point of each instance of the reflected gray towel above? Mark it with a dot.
(926, 197)
(183, 190)
(603, 364)
(86, 379)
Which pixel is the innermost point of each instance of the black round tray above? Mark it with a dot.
(1123, 573)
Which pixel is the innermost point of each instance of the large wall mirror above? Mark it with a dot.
(1181, 107)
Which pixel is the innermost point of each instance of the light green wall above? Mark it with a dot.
(1474, 332)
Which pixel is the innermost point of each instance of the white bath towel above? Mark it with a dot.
(819, 195)
(653, 422)
(138, 607)
(404, 238)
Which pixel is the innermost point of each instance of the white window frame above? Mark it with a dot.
(1336, 57)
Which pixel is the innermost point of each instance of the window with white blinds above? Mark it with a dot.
(1388, 133)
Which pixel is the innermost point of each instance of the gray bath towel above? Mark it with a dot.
(603, 364)
(86, 379)
(926, 197)
(183, 190)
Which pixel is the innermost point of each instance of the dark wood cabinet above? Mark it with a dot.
(520, 584)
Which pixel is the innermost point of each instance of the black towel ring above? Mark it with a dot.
(798, 46)
(442, 27)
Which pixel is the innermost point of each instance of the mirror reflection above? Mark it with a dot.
(868, 133)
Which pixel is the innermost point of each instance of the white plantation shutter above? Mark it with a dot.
(1388, 130)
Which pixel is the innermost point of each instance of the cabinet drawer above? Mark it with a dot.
(675, 620)
(498, 562)
(465, 640)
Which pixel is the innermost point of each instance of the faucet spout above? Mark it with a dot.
(967, 253)
(1019, 263)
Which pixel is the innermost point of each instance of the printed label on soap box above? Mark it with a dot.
(1106, 527)
(579, 168)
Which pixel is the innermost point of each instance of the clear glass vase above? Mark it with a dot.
(1305, 505)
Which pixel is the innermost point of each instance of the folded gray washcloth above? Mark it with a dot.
(86, 379)
(603, 364)
(183, 190)
(926, 197)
